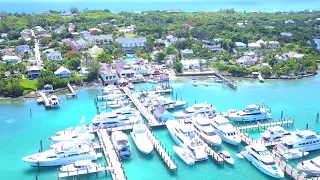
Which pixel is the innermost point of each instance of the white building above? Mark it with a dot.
(254, 45)
(33, 72)
(317, 41)
(7, 58)
(240, 45)
(186, 53)
(62, 72)
(54, 55)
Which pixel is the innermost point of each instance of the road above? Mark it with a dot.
(37, 50)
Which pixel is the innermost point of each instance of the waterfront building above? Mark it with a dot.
(33, 72)
(247, 61)
(107, 74)
(62, 72)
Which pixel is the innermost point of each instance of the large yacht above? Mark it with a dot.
(310, 167)
(61, 156)
(185, 136)
(121, 142)
(80, 165)
(202, 108)
(226, 130)
(206, 131)
(54, 101)
(140, 138)
(253, 112)
(274, 134)
(260, 157)
(113, 119)
(303, 141)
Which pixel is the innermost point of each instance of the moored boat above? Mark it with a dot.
(80, 165)
(226, 156)
(140, 138)
(122, 145)
(253, 112)
(310, 167)
(183, 154)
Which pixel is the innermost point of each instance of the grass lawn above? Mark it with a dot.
(129, 35)
(29, 84)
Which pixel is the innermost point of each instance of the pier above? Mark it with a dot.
(265, 125)
(114, 163)
(72, 91)
(46, 101)
(81, 172)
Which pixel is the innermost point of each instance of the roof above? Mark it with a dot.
(254, 45)
(159, 111)
(100, 37)
(34, 68)
(240, 44)
(132, 41)
(6, 57)
(95, 50)
(187, 51)
(61, 69)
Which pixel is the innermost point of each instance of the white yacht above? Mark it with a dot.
(226, 156)
(54, 101)
(185, 136)
(195, 109)
(122, 145)
(310, 167)
(110, 89)
(274, 134)
(61, 156)
(206, 131)
(81, 137)
(140, 138)
(260, 157)
(226, 130)
(80, 165)
(253, 112)
(131, 86)
(183, 154)
(303, 141)
(112, 119)
(81, 128)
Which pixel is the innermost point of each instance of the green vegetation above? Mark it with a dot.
(129, 35)
(28, 84)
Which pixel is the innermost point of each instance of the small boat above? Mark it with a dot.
(182, 153)
(274, 134)
(195, 83)
(239, 155)
(80, 165)
(140, 138)
(226, 156)
(310, 167)
(131, 86)
(294, 154)
(205, 83)
(193, 78)
(122, 145)
(54, 101)
(39, 100)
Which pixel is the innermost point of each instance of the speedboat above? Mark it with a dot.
(185, 136)
(183, 154)
(80, 165)
(303, 141)
(110, 89)
(260, 157)
(54, 101)
(194, 83)
(140, 138)
(310, 167)
(226, 130)
(82, 137)
(61, 156)
(293, 154)
(122, 145)
(253, 112)
(206, 131)
(226, 156)
(117, 103)
(131, 86)
(274, 134)
(202, 108)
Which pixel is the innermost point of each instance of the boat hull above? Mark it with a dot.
(235, 117)
(188, 160)
(144, 145)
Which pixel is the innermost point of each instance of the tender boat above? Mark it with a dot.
(185, 136)
(140, 138)
(226, 130)
(253, 112)
(61, 156)
(195, 83)
(131, 86)
(274, 134)
(122, 145)
(54, 101)
(206, 131)
(293, 154)
(202, 108)
(260, 157)
(303, 141)
(310, 167)
(80, 165)
(183, 154)
(226, 156)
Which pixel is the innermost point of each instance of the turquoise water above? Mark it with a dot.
(20, 133)
(129, 59)
(38, 6)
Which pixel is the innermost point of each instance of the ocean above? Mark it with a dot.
(38, 6)
(21, 131)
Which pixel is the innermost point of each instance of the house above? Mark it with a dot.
(39, 30)
(84, 34)
(287, 22)
(193, 64)
(254, 45)
(4, 35)
(26, 33)
(48, 88)
(7, 58)
(82, 44)
(316, 40)
(173, 11)
(33, 72)
(247, 61)
(295, 55)
(23, 48)
(8, 51)
(94, 30)
(100, 39)
(74, 35)
(76, 45)
(170, 60)
(107, 74)
(54, 55)
(171, 39)
(250, 53)
(123, 70)
(263, 65)
(59, 30)
(240, 45)
(288, 34)
(7, 74)
(261, 42)
(274, 43)
(128, 44)
(162, 115)
(95, 51)
(62, 72)
(186, 53)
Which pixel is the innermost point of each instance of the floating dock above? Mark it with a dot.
(265, 125)
(46, 101)
(114, 163)
(81, 172)
(72, 91)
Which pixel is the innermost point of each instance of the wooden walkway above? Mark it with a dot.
(116, 168)
(247, 140)
(265, 125)
(72, 91)
(81, 172)
(45, 99)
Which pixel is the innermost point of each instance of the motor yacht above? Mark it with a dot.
(202, 108)
(140, 138)
(54, 101)
(226, 130)
(260, 157)
(80, 165)
(183, 154)
(311, 167)
(253, 112)
(274, 134)
(122, 145)
(226, 156)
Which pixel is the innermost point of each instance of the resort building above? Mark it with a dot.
(33, 72)
(123, 70)
(247, 61)
(95, 51)
(128, 44)
(107, 74)
(100, 39)
(62, 72)
(54, 55)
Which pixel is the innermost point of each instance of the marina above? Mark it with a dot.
(73, 93)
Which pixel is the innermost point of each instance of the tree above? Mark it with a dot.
(160, 56)
(16, 90)
(177, 65)
(93, 71)
(52, 66)
(104, 58)
(72, 54)
(171, 50)
(74, 63)
(74, 10)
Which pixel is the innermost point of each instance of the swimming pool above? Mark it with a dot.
(129, 58)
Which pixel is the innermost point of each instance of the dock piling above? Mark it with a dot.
(31, 113)
(317, 117)
(41, 145)
(36, 176)
(307, 126)
(281, 114)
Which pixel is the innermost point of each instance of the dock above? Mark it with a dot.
(82, 172)
(114, 163)
(263, 126)
(261, 79)
(72, 91)
(46, 101)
